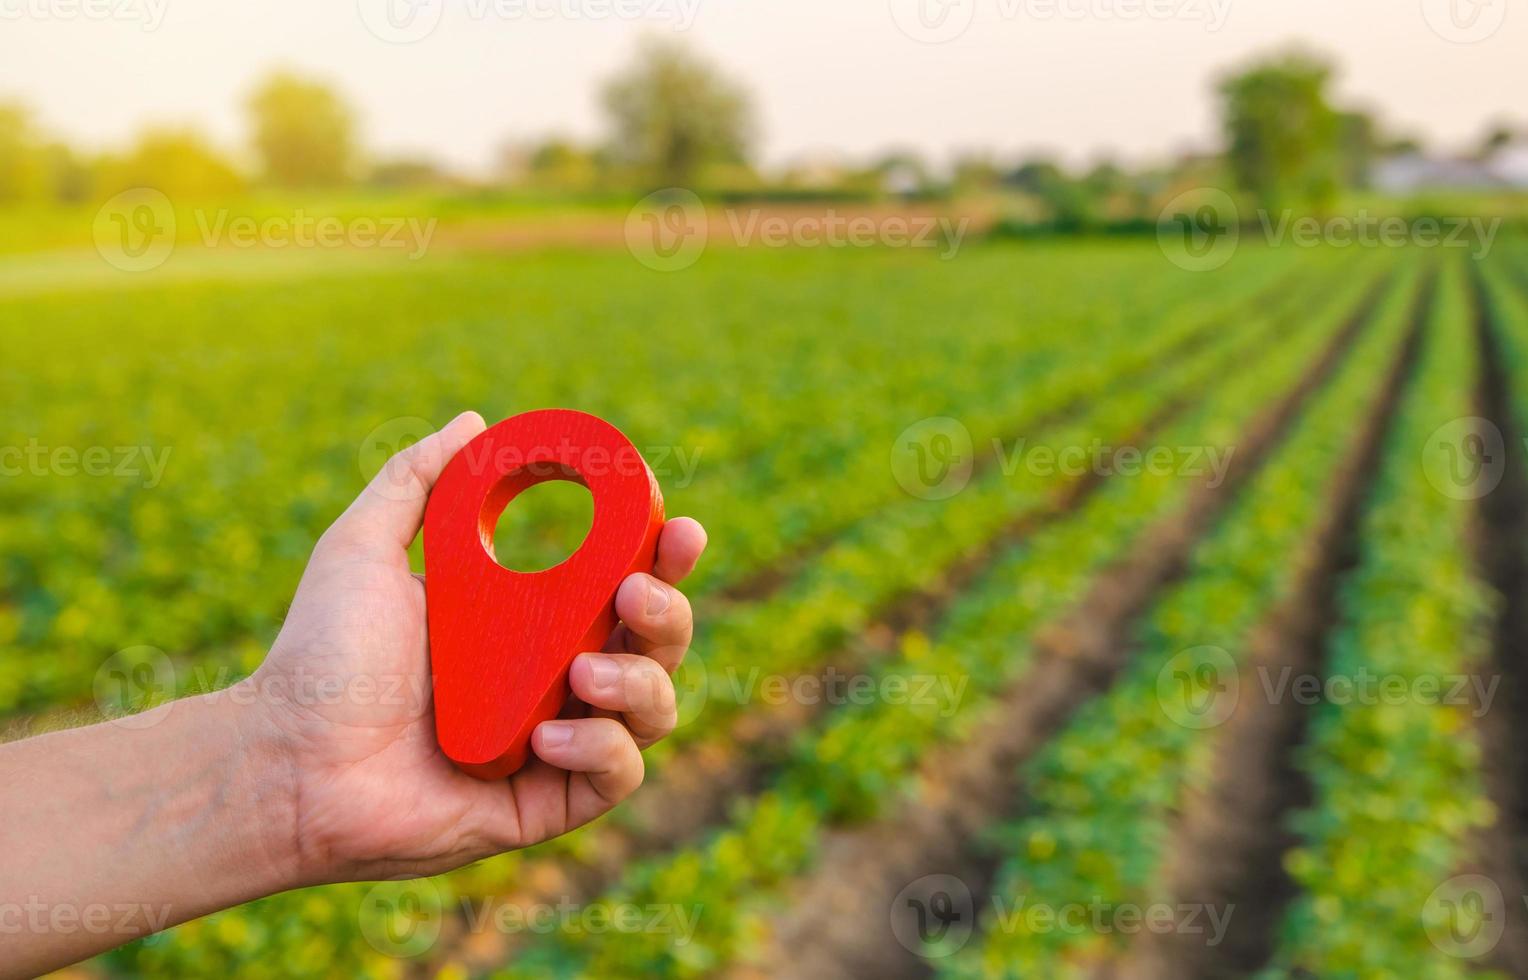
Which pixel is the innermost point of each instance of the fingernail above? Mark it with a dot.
(605, 672)
(556, 733)
(657, 599)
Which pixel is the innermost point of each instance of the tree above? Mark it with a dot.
(1067, 203)
(178, 162)
(1402, 145)
(561, 164)
(673, 115)
(975, 172)
(1283, 136)
(304, 132)
(1498, 137)
(1113, 193)
(23, 174)
(1359, 143)
(409, 171)
(71, 178)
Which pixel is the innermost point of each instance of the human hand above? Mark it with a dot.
(345, 694)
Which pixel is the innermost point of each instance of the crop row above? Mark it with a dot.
(1100, 800)
(864, 756)
(1397, 782)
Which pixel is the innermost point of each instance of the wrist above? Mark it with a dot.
(260, 786)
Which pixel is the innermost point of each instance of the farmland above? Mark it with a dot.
(958, 705)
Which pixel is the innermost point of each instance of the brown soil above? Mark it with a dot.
(608, 230)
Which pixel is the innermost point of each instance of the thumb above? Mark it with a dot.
(388, 513)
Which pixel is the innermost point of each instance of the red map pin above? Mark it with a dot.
(501, 641)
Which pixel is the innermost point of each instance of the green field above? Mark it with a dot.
(1059, 507)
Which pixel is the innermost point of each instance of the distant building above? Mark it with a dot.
(903, 178)
(1408, 173)
(1509, 165)
(819, 170)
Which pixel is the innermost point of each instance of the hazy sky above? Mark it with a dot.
(1079, 77)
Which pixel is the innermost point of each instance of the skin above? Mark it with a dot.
(323, 765)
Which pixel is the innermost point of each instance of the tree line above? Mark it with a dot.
(674, 119)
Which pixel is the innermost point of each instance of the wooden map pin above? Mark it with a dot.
(501, 641)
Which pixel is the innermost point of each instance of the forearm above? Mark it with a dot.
(124, 828)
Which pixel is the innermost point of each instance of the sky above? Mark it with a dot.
(455, 79)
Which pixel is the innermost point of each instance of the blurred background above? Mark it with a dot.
(1106, 415)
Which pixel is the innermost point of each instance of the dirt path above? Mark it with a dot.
(735, 225)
